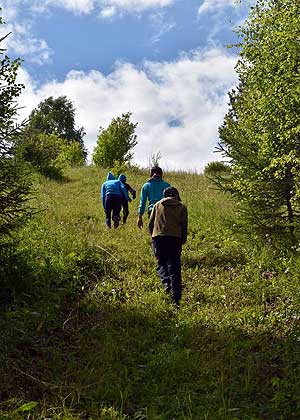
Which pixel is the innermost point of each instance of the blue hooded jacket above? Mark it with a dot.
(153, 191)
(122, 178)
(112, 186)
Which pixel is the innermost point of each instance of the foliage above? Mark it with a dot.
(56, 116)
(216, 167)
(49, 154)
(116, 142)
(95, 337)
(119, 167)
(14, 180)
(70, 155)
(260, 134)
(42, 151)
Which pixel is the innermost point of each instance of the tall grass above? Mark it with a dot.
(89, 333)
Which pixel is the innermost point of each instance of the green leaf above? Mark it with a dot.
(28, 406)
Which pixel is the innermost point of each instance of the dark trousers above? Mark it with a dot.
(125, 209)
(167, 250)
(112, 209)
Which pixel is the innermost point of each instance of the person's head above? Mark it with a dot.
(156, 172)
(110, 176)
(122, 178)
(172, 192)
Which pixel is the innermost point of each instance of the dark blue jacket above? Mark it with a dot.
(112, 186)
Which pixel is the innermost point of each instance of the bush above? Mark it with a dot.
(215, 168)
(50, 154)
(70, 156)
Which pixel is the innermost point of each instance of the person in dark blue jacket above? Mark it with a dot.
(112, 191)
(152, 191)
(125, 202)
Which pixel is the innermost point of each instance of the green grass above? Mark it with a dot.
(91, 335)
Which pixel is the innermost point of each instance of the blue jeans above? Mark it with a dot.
(167, 250)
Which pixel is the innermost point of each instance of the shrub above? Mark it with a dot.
(216, 167)
(42, 151)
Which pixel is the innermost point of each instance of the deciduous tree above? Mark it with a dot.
(116, 142)
(56, 116)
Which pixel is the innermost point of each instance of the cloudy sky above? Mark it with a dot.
(165, 61)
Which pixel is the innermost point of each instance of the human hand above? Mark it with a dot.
(140, 222)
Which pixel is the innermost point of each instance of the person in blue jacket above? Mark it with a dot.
(152, 191)
(125, 202)
(112, 191)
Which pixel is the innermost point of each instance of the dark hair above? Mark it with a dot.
(171, 192)
(156, 170)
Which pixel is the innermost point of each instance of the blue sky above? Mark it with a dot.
(166, 61)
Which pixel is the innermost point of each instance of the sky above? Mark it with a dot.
(165, 61)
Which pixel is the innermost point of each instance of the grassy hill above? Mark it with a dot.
(90, 334)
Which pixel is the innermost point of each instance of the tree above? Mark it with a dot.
(56, 116)
(14, 180)
(261, 131)
(116, 142)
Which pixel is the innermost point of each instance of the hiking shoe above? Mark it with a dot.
(168, 289)
(176, 303)
(116, 220)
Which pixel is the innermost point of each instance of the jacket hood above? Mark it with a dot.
(122, 178)
(110, 176)
(170, 202)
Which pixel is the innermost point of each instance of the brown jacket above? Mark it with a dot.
(169, 218)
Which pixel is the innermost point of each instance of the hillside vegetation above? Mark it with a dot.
(89, 333)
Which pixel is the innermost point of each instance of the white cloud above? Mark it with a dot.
(22, 41)
(212, 5)
(161, 26)
(134, 6)
(108, 12)
(107, 7)
(192, 92)
(75, 6)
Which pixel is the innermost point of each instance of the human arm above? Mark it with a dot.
(103, 190)
(124, 191)
(143, 200)
(132, 192)
(130, 189)
(140, 221)
(151, 220)
(184, 226)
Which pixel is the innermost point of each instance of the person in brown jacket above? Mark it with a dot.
(168, 227)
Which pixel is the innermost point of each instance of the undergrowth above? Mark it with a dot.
(87, 332)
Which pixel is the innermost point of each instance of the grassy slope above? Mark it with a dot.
(94, 337)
